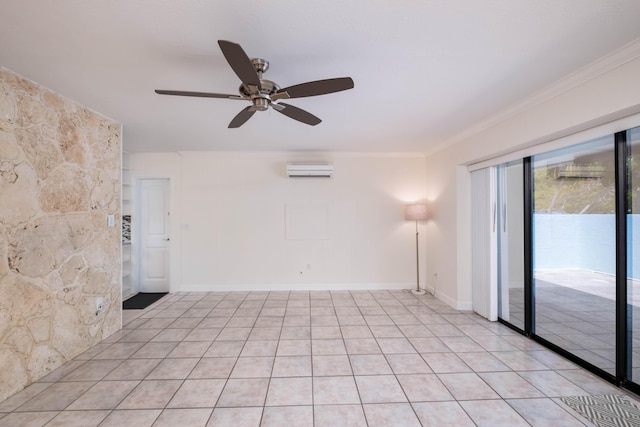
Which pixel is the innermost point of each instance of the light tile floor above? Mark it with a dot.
(365, 358)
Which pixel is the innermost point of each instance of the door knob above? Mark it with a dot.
(166, 239)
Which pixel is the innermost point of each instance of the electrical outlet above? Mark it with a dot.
(99, 305)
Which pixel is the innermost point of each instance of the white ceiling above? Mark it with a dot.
(424, 71)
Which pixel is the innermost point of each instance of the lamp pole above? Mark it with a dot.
(417, 212)
(417, 290)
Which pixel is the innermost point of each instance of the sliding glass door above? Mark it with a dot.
(566, 224)
(574, 250)
(632, 195)
(510, 236)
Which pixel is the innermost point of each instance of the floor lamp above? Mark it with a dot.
(416, 212)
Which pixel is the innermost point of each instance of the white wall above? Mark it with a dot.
(580, 107)
(228, 220)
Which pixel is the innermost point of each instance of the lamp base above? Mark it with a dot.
(418, 291)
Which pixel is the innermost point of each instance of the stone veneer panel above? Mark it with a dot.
(59, 179)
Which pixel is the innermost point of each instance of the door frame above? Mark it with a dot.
(136, 231)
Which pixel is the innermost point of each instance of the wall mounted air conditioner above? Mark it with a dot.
(309, 170)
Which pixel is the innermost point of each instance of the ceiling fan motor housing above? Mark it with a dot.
(260, 95)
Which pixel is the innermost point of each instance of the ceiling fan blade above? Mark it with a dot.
(239, 62)
(242, 117)
(198, 94)
(318, 87)
(296, 113)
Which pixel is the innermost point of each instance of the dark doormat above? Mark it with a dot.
(142, 300)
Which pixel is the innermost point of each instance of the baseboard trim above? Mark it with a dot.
(458, 305)
(253, 287)
(464, 306)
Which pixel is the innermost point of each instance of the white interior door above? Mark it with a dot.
(154, 235)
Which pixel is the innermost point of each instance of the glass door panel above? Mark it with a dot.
(510, 229)
(633, 248)
(574, 250)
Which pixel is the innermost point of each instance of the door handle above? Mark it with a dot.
(494, 217)
(166, 239)
(504, 218)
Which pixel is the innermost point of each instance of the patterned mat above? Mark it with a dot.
(606, 410)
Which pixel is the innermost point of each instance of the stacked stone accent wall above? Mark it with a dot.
(59, 180)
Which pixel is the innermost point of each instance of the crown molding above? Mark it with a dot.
(611, 61)
(293, 155)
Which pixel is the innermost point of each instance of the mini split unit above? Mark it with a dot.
(309, 170)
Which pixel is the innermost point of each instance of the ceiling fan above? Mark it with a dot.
(264, 93)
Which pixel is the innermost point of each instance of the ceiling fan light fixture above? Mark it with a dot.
(261, 104)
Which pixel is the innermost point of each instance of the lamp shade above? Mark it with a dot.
(416, 212)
